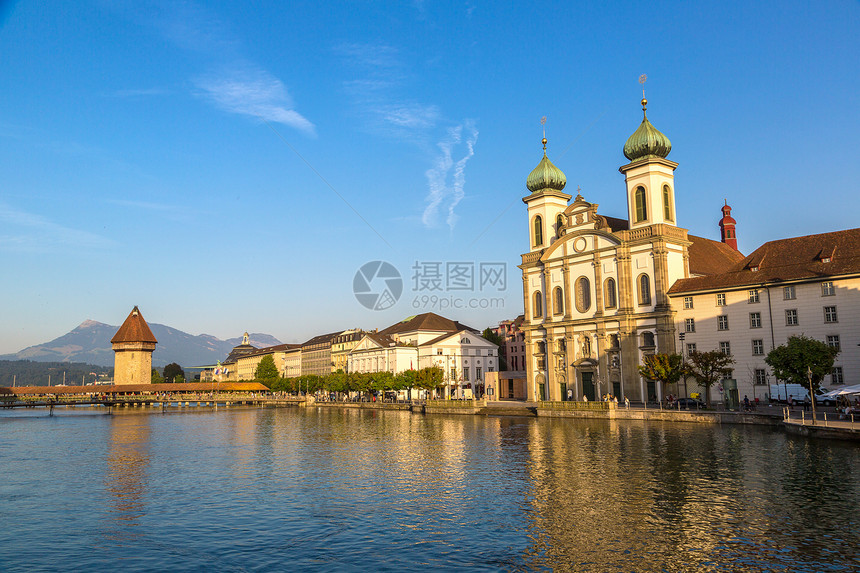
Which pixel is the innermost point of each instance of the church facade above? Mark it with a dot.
(595, 288)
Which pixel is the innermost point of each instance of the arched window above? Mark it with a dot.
(537, 311)
(647, 338)
(538, 228)
(559, 223)
(667, 203)
(644, 290)
(559, 300)
(609, 297)
(582, 291)
(639, 202)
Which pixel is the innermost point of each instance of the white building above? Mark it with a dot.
(804, 285)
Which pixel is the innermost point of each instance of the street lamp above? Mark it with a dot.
(811, 393)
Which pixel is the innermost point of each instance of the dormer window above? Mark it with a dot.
(825, 259)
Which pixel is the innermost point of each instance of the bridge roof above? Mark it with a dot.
(124, 388)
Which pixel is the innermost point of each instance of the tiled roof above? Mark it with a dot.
(617, 224)
(450, 334)
(134, 329)
(708, 257)
(322, 338)
(427, 321)
(272, 349)
(792, 259)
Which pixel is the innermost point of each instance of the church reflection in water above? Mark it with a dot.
(127, 462)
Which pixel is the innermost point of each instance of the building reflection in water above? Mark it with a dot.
(127, 462)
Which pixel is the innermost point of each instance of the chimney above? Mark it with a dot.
(727, 227)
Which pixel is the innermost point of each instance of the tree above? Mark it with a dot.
(172, 371)
(665, 368)
(155, 377)
(266, 371)
(708, 368)
(500, 342)
(791, 361)
(429, 378)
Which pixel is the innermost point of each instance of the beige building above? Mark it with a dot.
(804, 285)
(316, 354)
(246, 364)
(133, 345)
(341, 346)
(595, 287)
(292, 367)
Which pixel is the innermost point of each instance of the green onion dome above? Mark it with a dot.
(647, 141)
(546, 175)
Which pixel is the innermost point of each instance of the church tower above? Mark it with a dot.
(727, 227)
(546, 203)
(650, 177)
(133, 345)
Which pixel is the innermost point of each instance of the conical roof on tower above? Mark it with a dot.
(134, 329)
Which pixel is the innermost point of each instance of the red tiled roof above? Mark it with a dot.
(426, 321)
(134, 329)
(797, 258)
(708, 257)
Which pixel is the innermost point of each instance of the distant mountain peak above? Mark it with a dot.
(91, 324)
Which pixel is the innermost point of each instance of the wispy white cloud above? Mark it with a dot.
(439, 188)
(27, 232)
(253, 92)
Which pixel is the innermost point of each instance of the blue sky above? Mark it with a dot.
(229, 167)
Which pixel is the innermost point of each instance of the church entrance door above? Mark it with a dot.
(588, 385)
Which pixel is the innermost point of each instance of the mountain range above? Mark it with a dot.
(90, 343)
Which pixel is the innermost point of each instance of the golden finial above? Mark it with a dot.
(543, 123)
(642, 79)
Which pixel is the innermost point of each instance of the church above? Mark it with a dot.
(595, 288)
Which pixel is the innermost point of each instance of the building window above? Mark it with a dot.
(538, 305)
(538, 231)
(758, 347)
(833, 342)
(644, 290)
(788, 293)
(760, 376)
(726, 348)
(559, 300)
(688, 302)
(648, 339)
(667, 203)
(559, 224)
(836, 375)
(639, 201)
(691, 347)
(722, 322)
(755, 320)
(830, 314)
(753, 295)
(689, 325)
(478, 374)
(609, 298)
(721, 299)
(827, 289)
(791, 317)
(582, 294)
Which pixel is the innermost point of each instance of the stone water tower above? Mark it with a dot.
(133, 345)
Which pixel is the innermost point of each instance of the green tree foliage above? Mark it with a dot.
(173, 373)
(429, 378)
(708, 368)
(500, 342)
(665, 368)
(266, 371)
(155, 377)
(790, 361)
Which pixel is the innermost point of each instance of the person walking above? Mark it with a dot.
(627, 402)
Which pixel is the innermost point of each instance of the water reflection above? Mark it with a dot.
(127, 462)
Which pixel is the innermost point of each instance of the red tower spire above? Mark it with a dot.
(727, 227)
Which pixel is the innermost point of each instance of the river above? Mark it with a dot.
(275, 489)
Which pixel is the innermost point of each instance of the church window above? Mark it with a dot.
(609, 296)
(639, 201)
(667, 203)
(559, 300)
(559, 223)
(647, 339)
(583, 294)
(644, 290)
(538, 229)
(538, 305)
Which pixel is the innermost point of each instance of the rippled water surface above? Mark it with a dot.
(318, 489)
